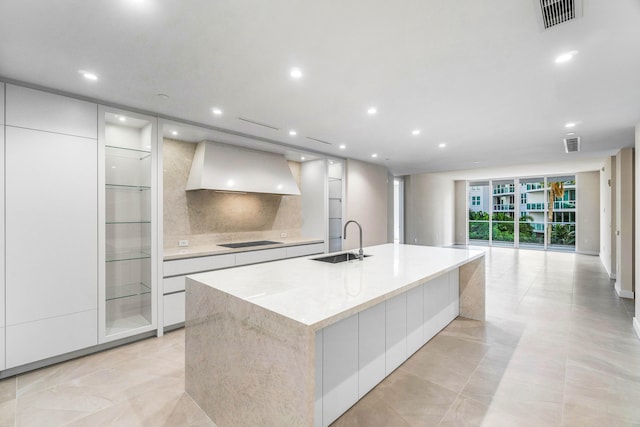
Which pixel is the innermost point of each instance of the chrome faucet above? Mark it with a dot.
(344, 234)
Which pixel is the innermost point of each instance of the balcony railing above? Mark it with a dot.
(503, 207)
(534, 186)
(504, 190)
(564, 204)
(534, 206)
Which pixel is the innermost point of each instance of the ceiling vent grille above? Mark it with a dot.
(556, 12)
(254, 122)
(319, 140)
(572, 145)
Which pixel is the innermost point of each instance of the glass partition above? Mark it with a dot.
(504, 208)
(561, 215)
(532, 212)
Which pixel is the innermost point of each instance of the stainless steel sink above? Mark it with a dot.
(334, 259)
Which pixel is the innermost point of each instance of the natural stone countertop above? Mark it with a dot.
(318, 294)
(212, 249)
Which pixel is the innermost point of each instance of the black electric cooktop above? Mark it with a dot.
(249, 244)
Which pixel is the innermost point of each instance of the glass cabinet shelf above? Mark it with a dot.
(127, 290)
(128, 222)
(127, 149)
(127, 256)
(126, 187)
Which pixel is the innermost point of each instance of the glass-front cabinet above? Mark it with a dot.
(335, 188)
(128, 236)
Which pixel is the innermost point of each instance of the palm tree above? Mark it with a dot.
(556, 191)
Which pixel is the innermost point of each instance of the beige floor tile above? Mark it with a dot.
(371, 412)
(7, 389)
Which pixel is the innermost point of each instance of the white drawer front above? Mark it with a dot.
(173, 284)
(260, 256)
(302, 250)
(174, 308)
(195, 265)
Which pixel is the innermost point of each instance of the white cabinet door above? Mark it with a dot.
(340, 368)
(396, 332)
(34, 109)
(371, 348)
(436, 302)
(415, 319)
(253, 257)
(51, 228)
(2, 239)
(174, 308)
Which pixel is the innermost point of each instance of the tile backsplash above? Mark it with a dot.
(208, 217)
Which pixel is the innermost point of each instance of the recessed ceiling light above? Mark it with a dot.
(571, 133)
(442, 144)
(302, 158)
(216, 111)
(570, 125)
(342, 146)
(88, 75)
(293, 132)
(415, 132)
(122, 118)
(163, 96)
(174, 132)
(566, 57)
(296, 73)
(374, 155)
(330, 162)
(372, 110)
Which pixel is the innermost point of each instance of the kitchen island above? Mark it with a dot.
(297, 342)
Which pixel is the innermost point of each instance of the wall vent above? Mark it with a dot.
(572, 145)
(556, 12)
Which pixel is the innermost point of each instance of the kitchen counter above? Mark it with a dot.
(213, 249)
(255, 334)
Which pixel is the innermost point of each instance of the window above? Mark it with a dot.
(475, 200)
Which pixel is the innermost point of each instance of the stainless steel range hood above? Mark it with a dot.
(225, 167)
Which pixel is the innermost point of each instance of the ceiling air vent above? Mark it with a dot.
(319, 140)
(556, 12)
(572, 145)
(254, 122)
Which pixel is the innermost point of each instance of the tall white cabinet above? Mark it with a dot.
(51, 228)
(2, 328)
(128, 223)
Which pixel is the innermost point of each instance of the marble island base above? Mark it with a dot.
(251, 363)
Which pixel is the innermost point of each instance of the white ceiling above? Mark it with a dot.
(478, 75)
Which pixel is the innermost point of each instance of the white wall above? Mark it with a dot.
(588, 212)
(624, 223)
(461, 209)
(366, 202)
(607, 216)
(429, 210)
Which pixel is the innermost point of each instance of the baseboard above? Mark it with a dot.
(594, 253)
(622, 293)
(636, 326)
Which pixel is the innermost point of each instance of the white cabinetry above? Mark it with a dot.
(396, 332)
(128, 217)
(353, 355)
(371, 348)
(340, 368)
(51, 225)
(175, 271)
(2, 330)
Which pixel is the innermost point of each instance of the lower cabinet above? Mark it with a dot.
(174, 308)
(175, 272)
(356, 353)
(340, 367)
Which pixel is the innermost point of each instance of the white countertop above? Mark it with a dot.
(213, 249)
(318, 294)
